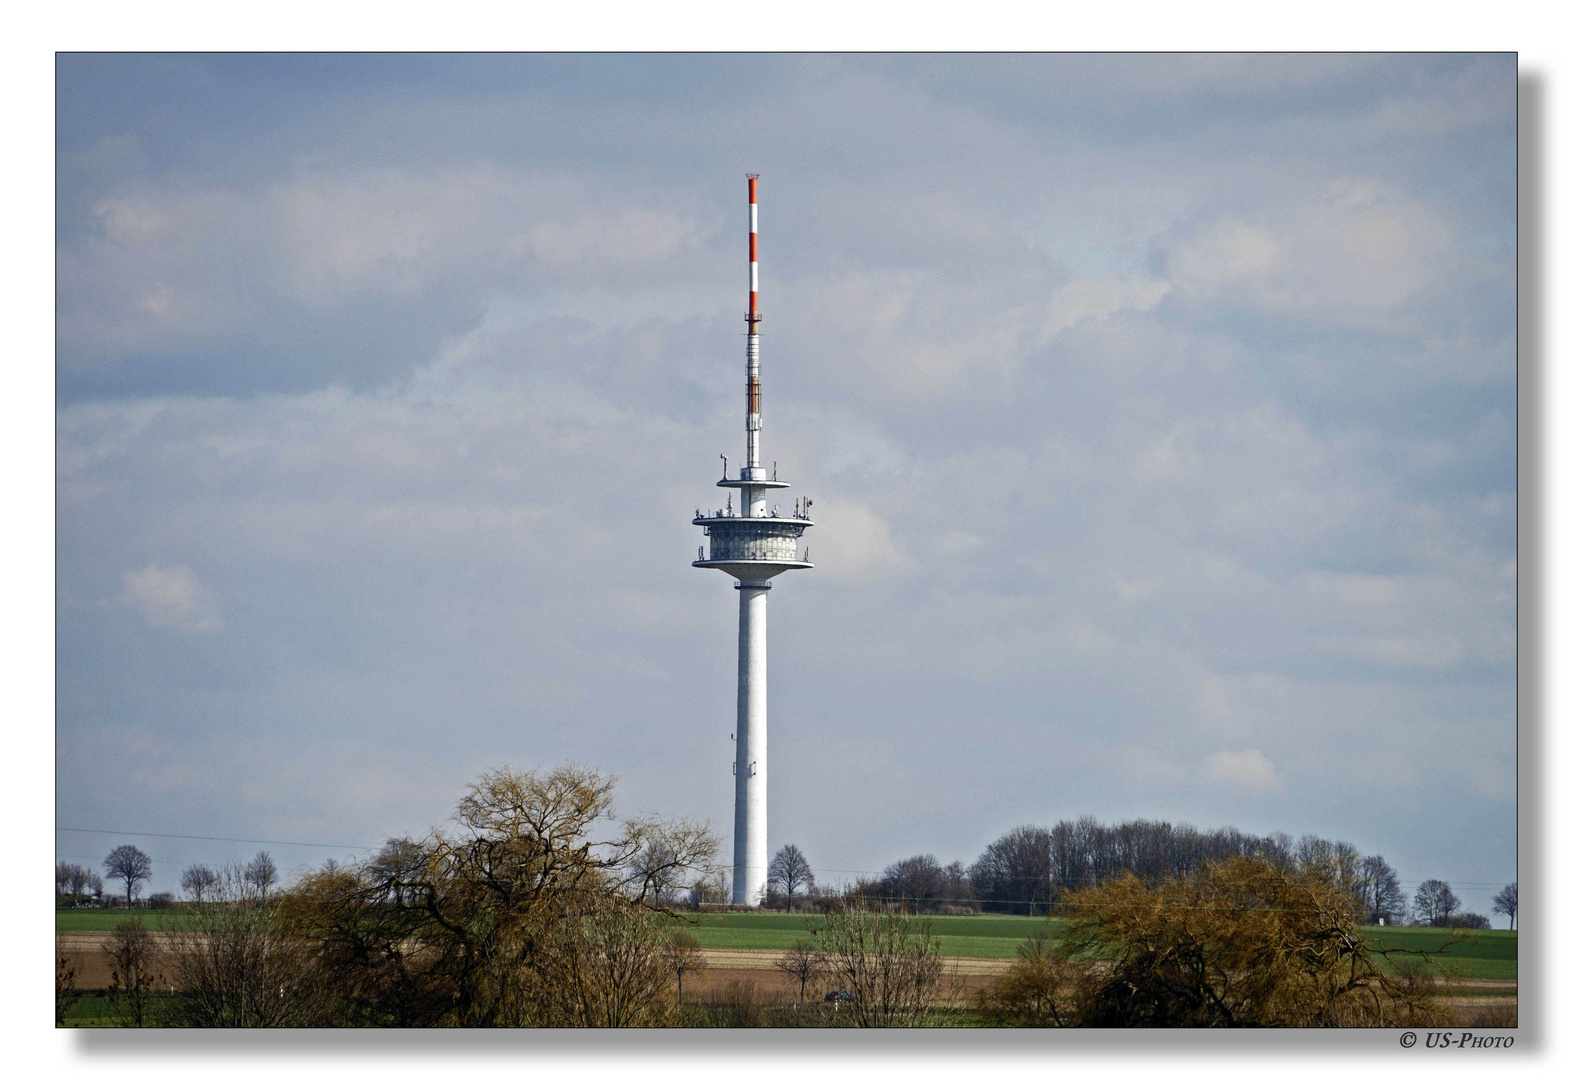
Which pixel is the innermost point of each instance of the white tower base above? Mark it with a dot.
(749, 857)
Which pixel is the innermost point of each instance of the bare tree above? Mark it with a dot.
(655, 864)
(132, 976)
(789, 872)
(890, 964)
(131, 865)
(917, 881)
(71, 879)
(262, 874)
(921, 883)
(682, 957)
(1506, 903)
(1017, 872)
(398, 863)
(238, 964)
(198, 881)
(713, 890)
(1435, 903)
(956, 888)
(1381, 897)
(803, 962)
(94, 886)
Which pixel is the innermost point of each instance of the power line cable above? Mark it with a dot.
(221, 839)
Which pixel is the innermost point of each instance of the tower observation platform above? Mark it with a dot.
(753, 542)
(755, 546)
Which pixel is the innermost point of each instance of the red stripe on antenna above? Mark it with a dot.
(753, 262)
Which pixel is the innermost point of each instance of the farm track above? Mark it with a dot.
(763, 959)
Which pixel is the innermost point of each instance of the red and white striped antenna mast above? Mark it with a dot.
(753, 318)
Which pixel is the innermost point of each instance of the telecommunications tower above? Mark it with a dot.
(753, 542)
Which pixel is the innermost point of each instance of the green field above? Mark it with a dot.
(1481, 954)
(958, 935)
(83, 919)
(1484, 954)
(92, 1010)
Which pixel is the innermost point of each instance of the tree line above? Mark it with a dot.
(133, 867)
(1025, 872)
(1030, 869)
(536, 906)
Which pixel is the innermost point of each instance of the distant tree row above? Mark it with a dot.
(1030, 869)
(132, 867)
(77, 882)
(127, 864)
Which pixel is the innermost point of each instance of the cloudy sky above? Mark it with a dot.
(1158, 413)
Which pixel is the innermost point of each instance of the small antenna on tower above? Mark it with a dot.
(723, 466)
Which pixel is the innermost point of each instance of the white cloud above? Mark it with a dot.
(1355, 252)
(1136, 587)
(170, 596)
(906, 337)
(852, 543)
(397, 230)
(1091, 300)
(171, 263)
(1248, 770)
(160, 264)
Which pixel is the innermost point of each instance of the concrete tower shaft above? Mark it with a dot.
(753, 543)
(749, 844)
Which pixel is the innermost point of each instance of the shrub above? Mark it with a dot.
(1037, 990)
(1248, 942)
(66, 993)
